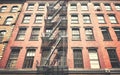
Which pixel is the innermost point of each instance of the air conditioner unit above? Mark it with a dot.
(98, 9)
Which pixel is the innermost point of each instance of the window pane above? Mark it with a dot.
(94, 61)
(97, 7)
(35, 34)
(74, 19)
(8, 21)
(113, 58)
(75, 34)
(41, 6)
(30, 7)
(89, 34)
(78, 60)
(117, 31)
(28, 62)
(26, 19)
(21, 34)
(73, 6)
(86, 19)
(84, 7)
(3, 8)
(13, 58)
(106, 34)
(117, 6)
(14, 9)
(101, 19)
(112, 18)
(108, 7)
(38, 19)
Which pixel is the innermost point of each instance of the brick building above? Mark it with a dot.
(65, 37)
(8, 16)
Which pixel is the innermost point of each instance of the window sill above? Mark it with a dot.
(33, 40)
(91, 40)
(76, 40)
(108, 40)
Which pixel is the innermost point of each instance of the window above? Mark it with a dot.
(8, 20)
(29, 58)
(101, 19)
(62, 56)
(112, 18)
(14, 9)
(26, 19)
(78, 59)
(48, 31)
(62, 32)
(30, 7)
(89, 34)
(35, 34)
(113, 57)
(108, 7)
(73, 6)
(117, 6)
(117, 31)
(21, 34)
(75, 34)
(106, 34)
(3, 8)
(74, 19)
(2, 33)
(38, 19)
(41, 6)
(13, 58)
(97, 7)
(45, 54)
(84, 7)
(86, 19)
(93, 56)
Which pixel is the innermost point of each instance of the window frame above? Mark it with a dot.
(89, 33)
(74, 19)
(78, 57)
(76, 34)
(106, 34)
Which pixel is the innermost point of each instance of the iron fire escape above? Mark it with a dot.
(55, 62)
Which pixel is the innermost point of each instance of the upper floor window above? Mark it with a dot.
(84, 7)
(38, 18)
(93, 56)
(29, 58)
(112, 18)
(41, 6)
(8, 20)
(101, 18)
(74, 19)
(117, 6)
(75, 34)
(30, 7)
(26, 18)
(78, 59)
(3, 8)
(13, 58)
(106, 34)
(97, 7)
(21, 34)
(73, 6)
(14, 9)
(89, 34)
(117, 31)
(113, 57)
(108, 7)
(2, 33)
(86, 18)
(34, 34)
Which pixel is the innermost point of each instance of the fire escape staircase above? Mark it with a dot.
(57, 38)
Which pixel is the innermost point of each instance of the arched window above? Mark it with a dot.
(3, 8)
(8, 20)
(2, 33)
(14, 9)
